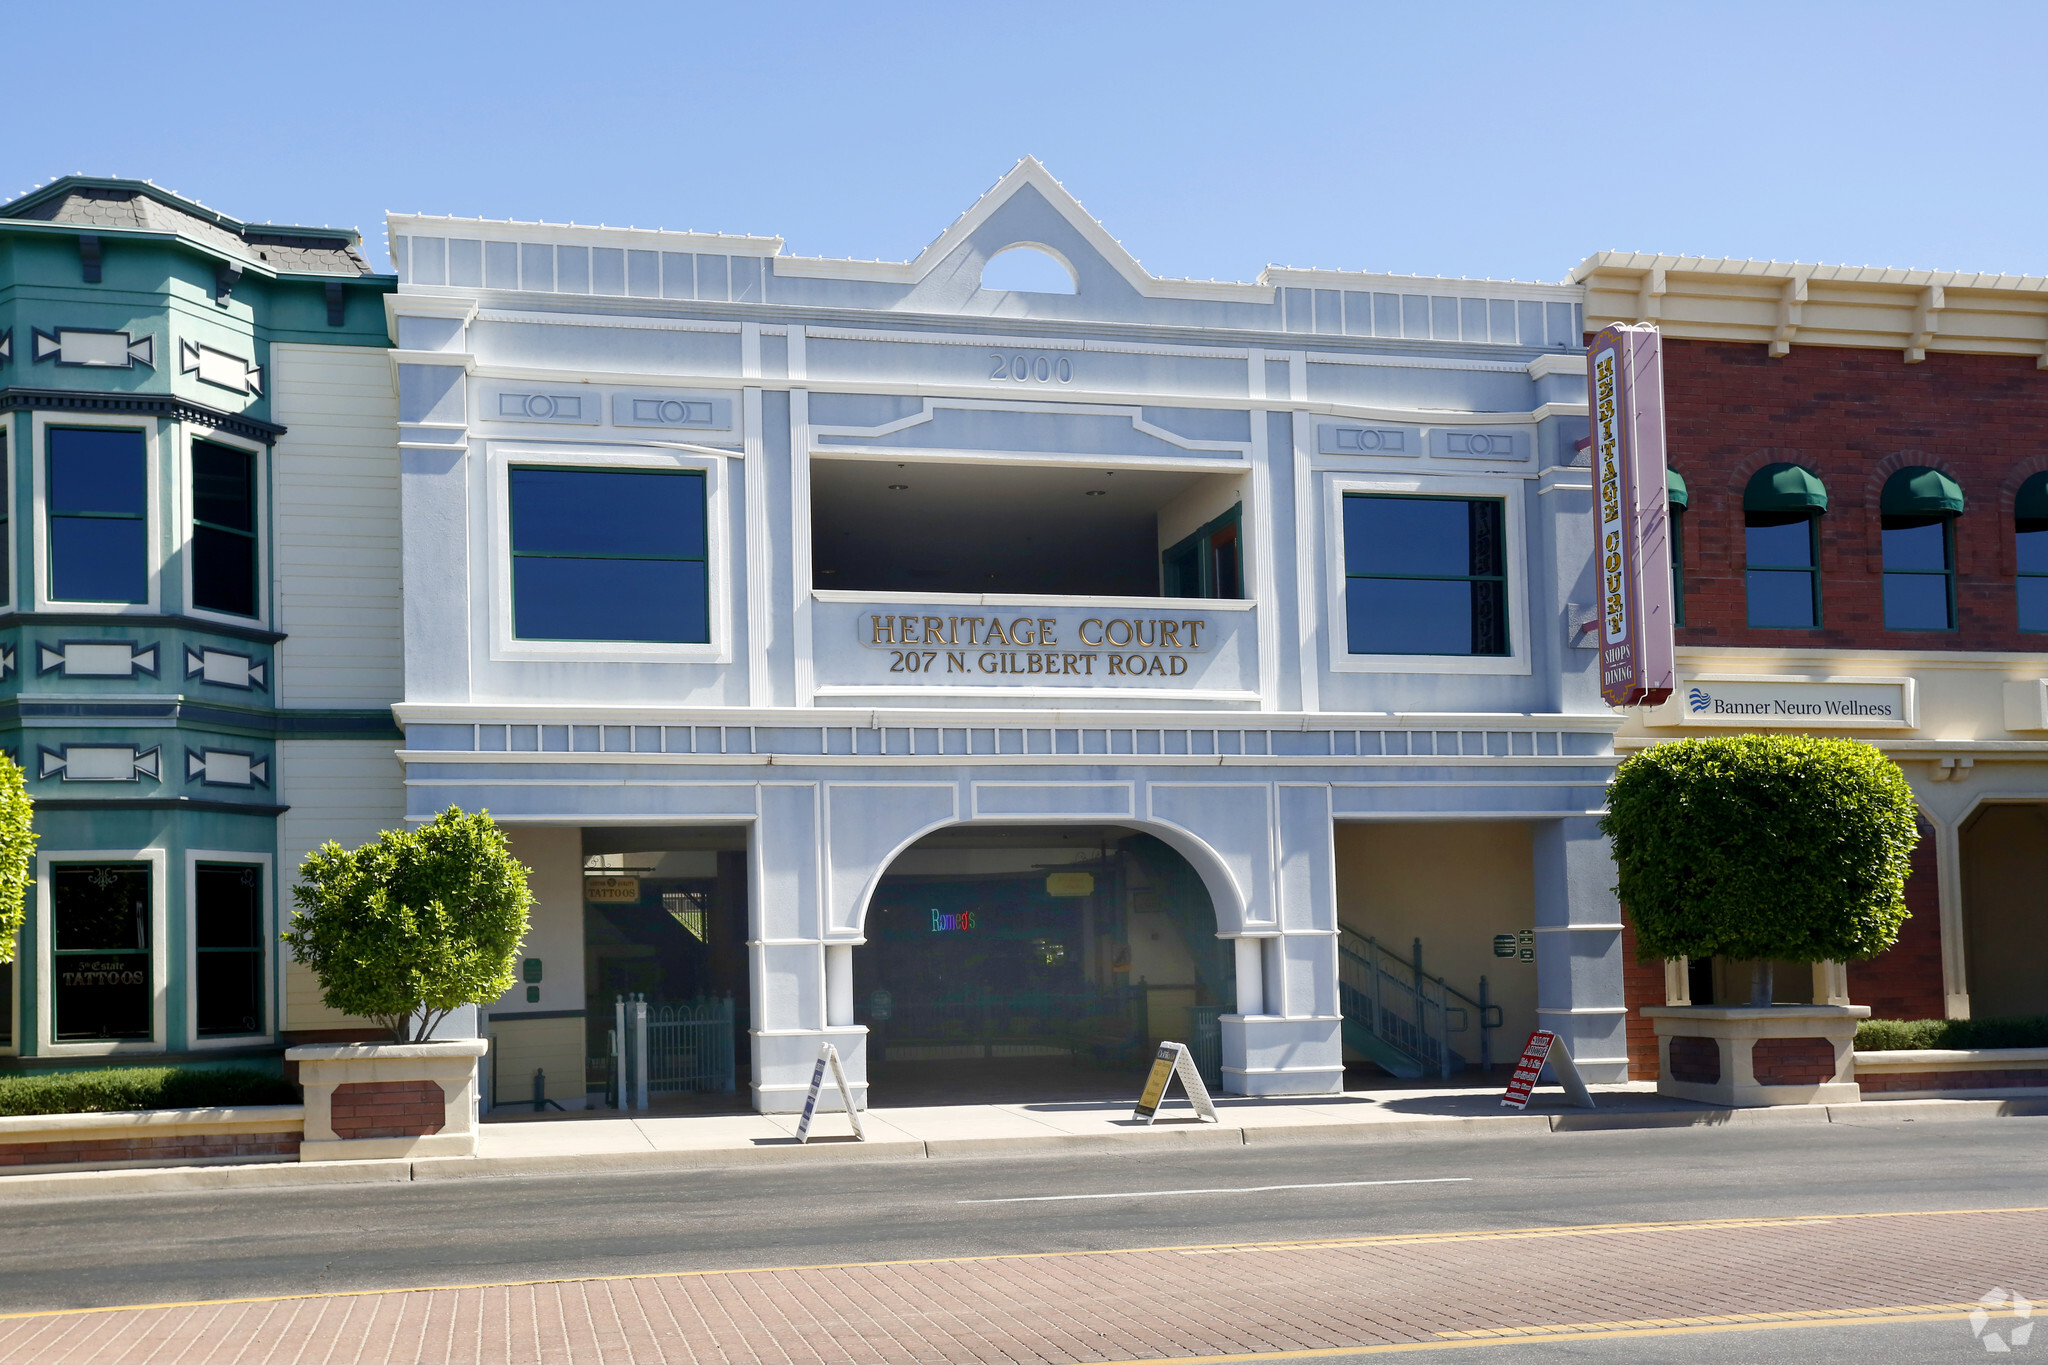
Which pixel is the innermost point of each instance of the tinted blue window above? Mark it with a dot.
(1407, 536)
(600, 554)
(1424, 575)
(1916, 573)
(99, 508)
(98, 471)
(1783, 586)
(1780, 599)
(1779, 543)
(2031, 540)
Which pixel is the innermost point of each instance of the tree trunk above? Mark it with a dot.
(1760, 983)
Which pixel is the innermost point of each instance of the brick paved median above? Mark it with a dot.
(1405, 1292)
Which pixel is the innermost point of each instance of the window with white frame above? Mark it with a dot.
(228, 949)
(607, 554)
(225, 564)
(102, 961)
(1425, 574)
(98, 495)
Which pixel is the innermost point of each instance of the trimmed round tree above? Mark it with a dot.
(414, 926)
(17, 854)
(1762, 846)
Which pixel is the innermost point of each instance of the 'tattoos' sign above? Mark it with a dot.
(1110, 650)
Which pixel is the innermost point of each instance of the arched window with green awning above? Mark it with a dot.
(1781, 509)
(1674, 489)
(1785, 488)
(1917, 513)
(2030, 536)
(1918, 491)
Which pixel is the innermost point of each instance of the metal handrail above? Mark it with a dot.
(1407, 1007)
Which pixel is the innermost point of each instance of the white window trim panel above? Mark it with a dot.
(505, 647)
(153, 474)
(267, 932)
(1510, 490)
(187, 435)
(159, 953)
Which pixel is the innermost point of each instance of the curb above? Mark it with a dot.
(62, 1185)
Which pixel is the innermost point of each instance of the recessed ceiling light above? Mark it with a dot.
(898, 487)
(1097, 493)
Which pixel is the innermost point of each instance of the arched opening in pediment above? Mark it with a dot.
(1027, 268)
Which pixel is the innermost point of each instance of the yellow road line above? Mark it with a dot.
(1392, 1239)
(1869, 1317)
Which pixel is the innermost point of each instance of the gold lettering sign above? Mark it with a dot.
(1119, 648)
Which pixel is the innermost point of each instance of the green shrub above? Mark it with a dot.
(141, 1087)
(1762, 846)
(17, 854)
(414, 926)
(1905, 1035)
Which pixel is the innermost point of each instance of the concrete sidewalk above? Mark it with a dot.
(580, 1143)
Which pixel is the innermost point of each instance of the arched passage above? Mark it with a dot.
(1034, 961)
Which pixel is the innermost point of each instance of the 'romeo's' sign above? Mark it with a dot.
(1625, 396)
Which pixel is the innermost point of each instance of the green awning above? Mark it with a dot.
(2032, 502)
(1917, 491)
(1784, 488)
(1674, 488)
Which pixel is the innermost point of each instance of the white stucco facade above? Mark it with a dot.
(836, 726)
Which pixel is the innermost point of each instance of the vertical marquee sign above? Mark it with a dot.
(1625, 396)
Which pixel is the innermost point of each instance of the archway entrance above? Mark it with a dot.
(1009, 963)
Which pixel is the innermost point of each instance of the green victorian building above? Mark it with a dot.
(199, 606)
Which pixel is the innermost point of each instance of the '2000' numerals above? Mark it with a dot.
(1031, 369)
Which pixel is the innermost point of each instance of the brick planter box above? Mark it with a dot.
(1961, 1073)
(30, 1143)
(366, 1100)
(1750, 1058)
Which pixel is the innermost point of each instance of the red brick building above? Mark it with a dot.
(1860, 492)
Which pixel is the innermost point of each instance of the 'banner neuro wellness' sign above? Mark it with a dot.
(1625, 394)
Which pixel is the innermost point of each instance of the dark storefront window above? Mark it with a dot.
(227, 926)
(223, 529)
(1425, 575)
(100, 913)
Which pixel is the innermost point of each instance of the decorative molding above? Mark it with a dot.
(220, 369)
(6, 345)
(18, 399)
(1916, 312)
(99, 763)
(226, 668)
(94, 348)
(227, 768)
(96, 658)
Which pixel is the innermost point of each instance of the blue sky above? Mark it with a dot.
(1461, 139)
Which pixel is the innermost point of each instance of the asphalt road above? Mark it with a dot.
(175, 1247)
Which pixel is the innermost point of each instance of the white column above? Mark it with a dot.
(1251, 977)
(838, 985)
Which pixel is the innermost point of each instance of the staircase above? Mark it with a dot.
(1403, 1018)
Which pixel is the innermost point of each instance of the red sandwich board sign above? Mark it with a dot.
(1545, 1046)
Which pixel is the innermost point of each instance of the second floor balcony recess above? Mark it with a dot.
(1010, 581)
